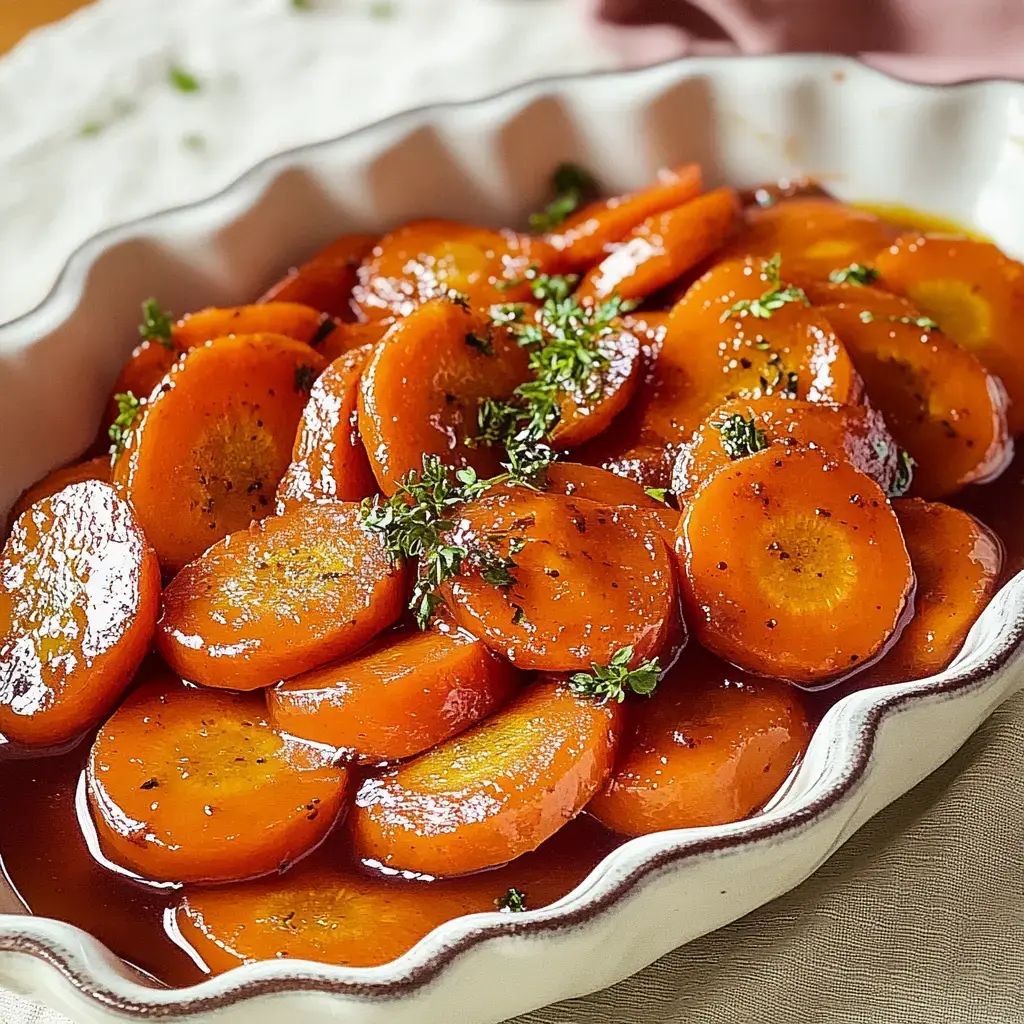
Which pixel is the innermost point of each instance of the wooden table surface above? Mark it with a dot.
(20, 16)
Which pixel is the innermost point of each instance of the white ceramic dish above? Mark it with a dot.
(956, 150)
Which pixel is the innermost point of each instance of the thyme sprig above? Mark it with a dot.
(573, 186)
(774, 298)
(856, 273)
(511, 902)
(157, 324)
(740, 436)
(614, 680)
(128, 409)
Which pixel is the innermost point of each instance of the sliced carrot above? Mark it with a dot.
(650, 324)
(663, 248)
(329, 461)
(325, 282)
(350, 337)
(744, 426)
(814, 235)
(405, 693)
(576, 480)
(207, 453)
(91, 469)
(584, 237)
(794, 565)
(937, 399)
(957, 562)
(974, 293)
(193, 785)
(493, 793)
(79, 593)
(421, 392)
(427, 259)
(711, 746)
(290, 593)
(588, 581)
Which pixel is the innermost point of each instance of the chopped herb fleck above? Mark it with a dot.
(182, 80)
(612, 681)
(740, 437)
(519, 618)
(128, 409)
(774, 298)
(157, 324)
(305, 376)
(513, 902)
(496, 570)
(573, 186)
(657, 493)
(926, 323)
(481, 343)
(855, 273)
(904, 475)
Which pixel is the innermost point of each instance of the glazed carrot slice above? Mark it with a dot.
(427, 259)
(325, 282)
(937, 399)
(743, 427)
(421, 392)
(814, 235)
(587, 581)
(578, 481)
(194, 786)
(584, 237)
(346, 338)
(79, 592)
(973, 292)
(794, 565)
(711, 746)
(649, 324)
(493, 793)
(329, 461)
(207, 453)
(957, 562)
(290, 593)
(330, 914)
(405, 693)
(91, 469)
(663, 248)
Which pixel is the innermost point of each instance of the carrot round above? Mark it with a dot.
(325, 281)
(973, 292)
(743, 427)
(493, 793)
(421, 392)
(711, 746)
(795, 565)
(427, 259)
(290, 593)
(575, 480)
(347, 337)
(583, 238)
(403, 694)
(586, 581)
(79, 592)
(814, 235)
(90, 469)
(663, 248)
(329, 461)
(957, 562)
(938, 401)
(194, 786)
(204, 458)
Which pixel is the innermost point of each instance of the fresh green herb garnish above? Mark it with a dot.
(657, 493)
(157, 324)
(128, 409)
(855, 273)
(553, 286)
(611, 682)
(481, 343)
(904, 475)
(775, 297)
(573, 186)
(775, 379)
(305, 376)
(740, 437)
(926, 323)
(182, 80)
(495, 570)
(513, 902)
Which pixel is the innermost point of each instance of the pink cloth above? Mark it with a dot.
(924, 40)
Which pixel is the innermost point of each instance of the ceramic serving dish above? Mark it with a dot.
(956, 150)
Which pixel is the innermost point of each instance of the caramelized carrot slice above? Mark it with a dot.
(794, 565)
(711, 746)
(290, 593)
(194, 785)
(957, 562)
(974, 293)
(814, 235)
(427, 259)
(584, 237)
(649, 324)
(575, 480)
(329, 461)
(587, 581)
(493, 793)
(91, 469)
(663, 248)
(743, 427)
(405, 693)
(79, 592)
(938, 400)
(346, 338)
(325, 282)
(205, 456)
(421, 392)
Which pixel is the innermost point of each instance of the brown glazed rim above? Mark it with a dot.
(1011, 643)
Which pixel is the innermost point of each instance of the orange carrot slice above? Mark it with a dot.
(91, 469)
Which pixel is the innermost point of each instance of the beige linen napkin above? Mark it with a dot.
(918, 919)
